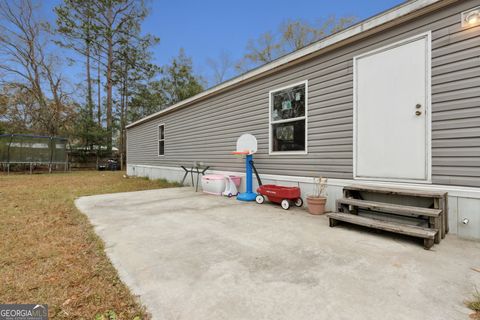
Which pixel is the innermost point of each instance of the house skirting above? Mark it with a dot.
(463, 202)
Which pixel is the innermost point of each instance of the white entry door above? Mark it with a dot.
(392, 112)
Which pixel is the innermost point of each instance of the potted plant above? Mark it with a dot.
(316, 201)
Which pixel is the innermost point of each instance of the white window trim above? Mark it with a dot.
(270, 122)
(158, 139)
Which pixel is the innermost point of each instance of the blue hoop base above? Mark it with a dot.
(247, 196)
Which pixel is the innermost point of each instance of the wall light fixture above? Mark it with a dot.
(471, 18)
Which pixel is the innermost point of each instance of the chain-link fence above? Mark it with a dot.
(32, 150)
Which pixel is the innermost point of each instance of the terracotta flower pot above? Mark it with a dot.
(316, 205)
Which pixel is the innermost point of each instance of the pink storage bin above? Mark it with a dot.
(213, 184)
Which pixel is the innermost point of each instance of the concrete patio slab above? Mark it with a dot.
(194, 256)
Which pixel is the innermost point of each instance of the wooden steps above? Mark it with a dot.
(390, 208)
(439, 199)
(397, 191)
(425, 233)
(394, 217)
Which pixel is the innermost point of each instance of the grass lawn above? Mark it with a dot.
(49, 251)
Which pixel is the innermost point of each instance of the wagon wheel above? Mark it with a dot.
(285, 204)
(260, 199)
(298, 202)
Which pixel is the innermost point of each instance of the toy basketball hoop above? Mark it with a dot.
(246, 144)
(246, 147)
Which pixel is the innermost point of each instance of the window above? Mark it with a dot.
(161, 140)
(288, 119)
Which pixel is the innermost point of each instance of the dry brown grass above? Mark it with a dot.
(49, 252)
(474, 304)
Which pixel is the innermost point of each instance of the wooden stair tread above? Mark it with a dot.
(397, 191)
(391, 208)
(409, 230)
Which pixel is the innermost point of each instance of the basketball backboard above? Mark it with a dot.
(246, 144)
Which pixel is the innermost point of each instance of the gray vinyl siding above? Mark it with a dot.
(207, 131)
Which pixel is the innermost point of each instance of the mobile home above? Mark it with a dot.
(391, 101)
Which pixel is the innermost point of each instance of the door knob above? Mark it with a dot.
(418, 106)
(418, 113)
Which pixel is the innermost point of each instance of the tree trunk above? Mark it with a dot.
(109, 84)
(123, 114)
(120, 142)
(89, 82)
(109, 97)
(99, 94)
(124, 131)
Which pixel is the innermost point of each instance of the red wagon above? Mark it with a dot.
(279, 194)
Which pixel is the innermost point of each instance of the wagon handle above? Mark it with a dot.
(256, 173)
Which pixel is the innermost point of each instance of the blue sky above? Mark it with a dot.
(206, 28)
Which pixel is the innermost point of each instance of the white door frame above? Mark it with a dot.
(428, 107)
